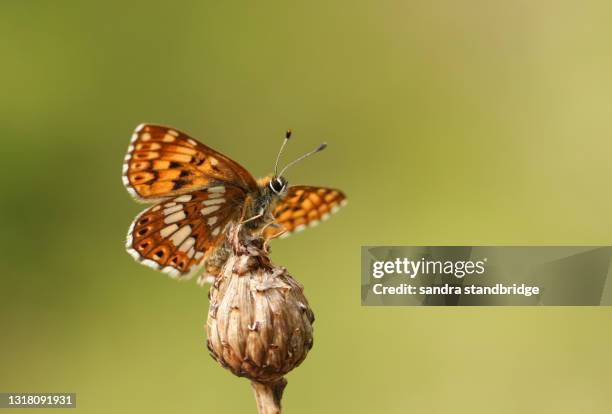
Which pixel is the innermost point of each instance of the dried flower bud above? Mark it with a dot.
(259, 323)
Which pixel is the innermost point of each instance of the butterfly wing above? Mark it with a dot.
(162, 162)
(304, 206)
(176, 235)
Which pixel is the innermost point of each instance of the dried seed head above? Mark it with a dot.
(259, 323)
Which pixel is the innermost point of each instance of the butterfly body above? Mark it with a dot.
(199, 192)
(264, 201)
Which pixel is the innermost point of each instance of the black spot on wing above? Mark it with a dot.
(178, 184)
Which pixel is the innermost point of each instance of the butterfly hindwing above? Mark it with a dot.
(175, 235)
(304, 206)
(162, 162)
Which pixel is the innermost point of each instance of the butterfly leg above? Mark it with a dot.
(267, 241)
(246, 209)
(260, 215)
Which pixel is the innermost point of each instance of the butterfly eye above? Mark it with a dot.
(277, 185)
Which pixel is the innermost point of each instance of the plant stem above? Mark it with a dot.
(268, 396)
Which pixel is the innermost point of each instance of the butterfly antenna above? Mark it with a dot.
(308, 154)
(280, 151)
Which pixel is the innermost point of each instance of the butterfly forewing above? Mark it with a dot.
(163, 162)
(304, 206)
(176, 235)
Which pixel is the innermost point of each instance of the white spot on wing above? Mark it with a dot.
(208, 210)
(134, 254)
(168, 230)
(173, 132)
(129, 240)
(187, 244)
(217, 189)
(183, 199)
(213, 201)
(180, 236)
(172, 209)
(198, 255)
(171, 271)
(299, 228)
(132, 192)
(212, 220)
(173, 218)
(151, 264)
(216, 231)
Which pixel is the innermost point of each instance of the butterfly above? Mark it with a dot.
(199, 192)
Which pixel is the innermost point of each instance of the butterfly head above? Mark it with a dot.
(278, 183)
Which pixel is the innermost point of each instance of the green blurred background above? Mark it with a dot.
(473, 122)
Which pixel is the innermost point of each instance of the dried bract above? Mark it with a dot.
(259, 323)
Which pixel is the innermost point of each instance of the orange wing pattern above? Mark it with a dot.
(163, 162)
(176, 235)
(302, 207)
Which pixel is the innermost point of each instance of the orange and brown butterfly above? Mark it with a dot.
(198, 192)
